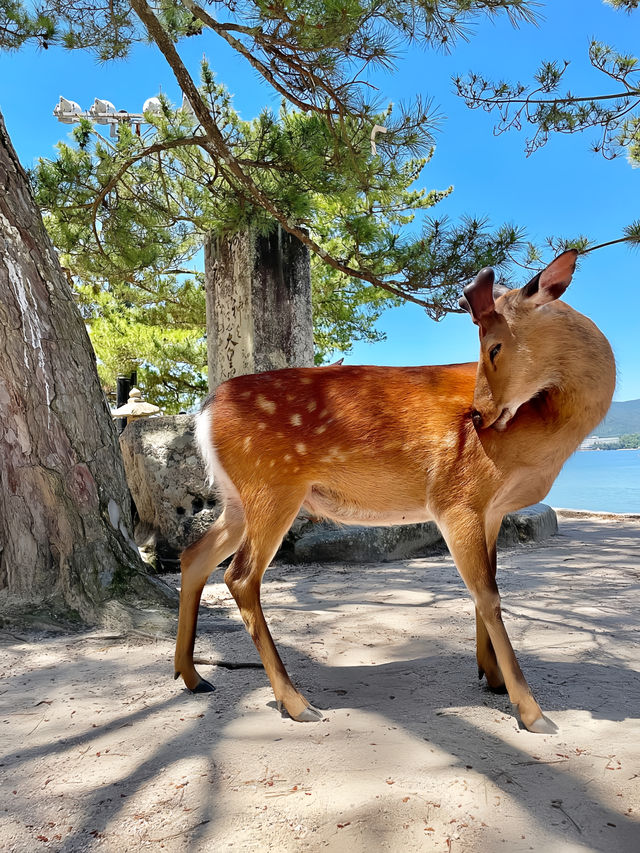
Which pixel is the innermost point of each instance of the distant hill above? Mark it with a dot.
(621, 419)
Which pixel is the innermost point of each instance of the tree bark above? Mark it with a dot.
(64, 526)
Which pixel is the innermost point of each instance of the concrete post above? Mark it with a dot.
(258, 296)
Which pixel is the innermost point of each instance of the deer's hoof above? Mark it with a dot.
(203, 687)
(543, 726)
(494, 688)
(308, 715)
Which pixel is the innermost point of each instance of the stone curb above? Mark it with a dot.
(328, 543)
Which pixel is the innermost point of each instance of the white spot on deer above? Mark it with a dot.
(272, 463)
(245, 395)
(312, 406)
(305, 380)
(336, 454)
(262, 425)
(288, 457)
(324, 413)
(296, 420)
(266, 405)
(301, 448)
(319, 430)
(247, 443)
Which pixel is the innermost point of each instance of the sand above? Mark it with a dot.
(102, 750)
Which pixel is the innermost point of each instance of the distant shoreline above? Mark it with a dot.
(608, 449)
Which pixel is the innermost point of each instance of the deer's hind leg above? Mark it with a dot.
(269, 515)
(485, 653)
(196, 564)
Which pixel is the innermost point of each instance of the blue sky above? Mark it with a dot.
(563, 189)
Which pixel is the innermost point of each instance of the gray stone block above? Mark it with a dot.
(328, 543)
(531, 524)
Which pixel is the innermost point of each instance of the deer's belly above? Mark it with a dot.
(356, 509)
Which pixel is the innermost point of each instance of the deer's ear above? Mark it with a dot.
(552, 282)
(478, 297)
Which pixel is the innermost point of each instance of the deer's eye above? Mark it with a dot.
(494, 352)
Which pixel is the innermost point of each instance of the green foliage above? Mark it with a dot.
(19, 24)
(323, 34)
(548, 110)
(159, 334)
(627, 5)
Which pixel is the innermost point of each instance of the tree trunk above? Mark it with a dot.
(64, 537)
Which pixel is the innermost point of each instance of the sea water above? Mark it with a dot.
(599, 480)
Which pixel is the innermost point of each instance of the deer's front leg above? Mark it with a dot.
(464, 535)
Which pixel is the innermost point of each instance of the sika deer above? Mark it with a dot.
(462, 444)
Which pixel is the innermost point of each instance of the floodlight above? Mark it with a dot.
(100, 110)
(152, 105)
(67, 111)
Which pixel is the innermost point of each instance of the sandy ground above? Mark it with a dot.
(102, 750)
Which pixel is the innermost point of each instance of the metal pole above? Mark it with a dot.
(122, 395)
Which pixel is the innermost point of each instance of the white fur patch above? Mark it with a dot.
(206, 445)
(266, 405)
(204, 440)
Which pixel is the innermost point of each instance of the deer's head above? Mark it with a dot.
(519, 340)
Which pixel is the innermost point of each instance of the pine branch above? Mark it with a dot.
(229, 165)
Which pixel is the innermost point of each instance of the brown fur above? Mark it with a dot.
(461, 444)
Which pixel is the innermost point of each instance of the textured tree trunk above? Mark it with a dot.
(64, 538)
